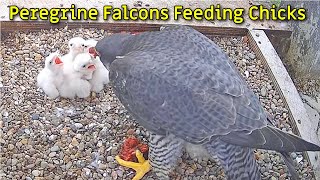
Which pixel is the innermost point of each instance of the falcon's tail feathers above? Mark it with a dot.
(270, 138)
(290, 164)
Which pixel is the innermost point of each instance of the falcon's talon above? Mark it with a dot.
(142, 167)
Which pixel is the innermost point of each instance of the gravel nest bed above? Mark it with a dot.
(309, 87)
(78, 139)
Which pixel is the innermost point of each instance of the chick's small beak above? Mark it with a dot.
(58, 61)
(93, 52)
(92, 67)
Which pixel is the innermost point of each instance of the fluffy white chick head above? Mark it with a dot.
(76, 45)
(89, 43)
(84, 63)
(53, 61)
(89, 47)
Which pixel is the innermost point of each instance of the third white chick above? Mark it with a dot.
(75, 83)
(89, 43)
(76, 46)
(101, 74)
(84, 63)
(50, 78)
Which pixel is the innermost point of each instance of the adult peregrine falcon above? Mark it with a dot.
(182, 87)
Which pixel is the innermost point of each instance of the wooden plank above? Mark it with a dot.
(297, 112)
(11, 26)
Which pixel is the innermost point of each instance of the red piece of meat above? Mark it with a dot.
(129, 147)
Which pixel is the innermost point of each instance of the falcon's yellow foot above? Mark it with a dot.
(142, 167)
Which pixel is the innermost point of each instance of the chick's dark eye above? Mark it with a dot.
(71, 44)
(50, 62)
(83, 66)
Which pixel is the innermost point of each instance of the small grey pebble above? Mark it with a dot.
(19, 52)
(120, 173)
(263, 91)
(111, 165)
(35, 116)
(54, 148)
(114, 151)
(251, 56)
(76, 126)
(55, 121)
(52, 154)
(14, 161)
(269, 87)
(52, 137)
(294, 155)
(43, 164)
(110, 159)
(89, 115)
(138, 132)
(80, 164)
(36, 173)
(27, 131)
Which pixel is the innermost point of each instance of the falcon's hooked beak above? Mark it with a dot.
(58, 61)
(93, 52)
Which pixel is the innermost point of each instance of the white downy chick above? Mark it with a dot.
(100, 76)
(51, 77)
(76, 46)
(74, 82)
(89, 43)
(84, 63)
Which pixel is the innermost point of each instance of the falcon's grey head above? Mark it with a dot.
(110, 47)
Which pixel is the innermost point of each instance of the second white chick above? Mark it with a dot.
(76, 46)
(89, 43)
(51, 77)
(100, 76)
(75, 83)
(84, 64)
